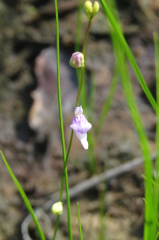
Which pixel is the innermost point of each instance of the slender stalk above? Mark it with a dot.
(61, 123)
(79, 221)
(56, 226)
(77, 100)
(83, 69)
(80, 86)
(79, 26)
(62, 184)
(71, 137)
(77, 48)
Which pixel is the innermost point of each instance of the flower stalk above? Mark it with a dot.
(64, 176)
(61, 124)
(83, 68)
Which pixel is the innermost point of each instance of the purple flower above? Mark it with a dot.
(81, 126)
(77, 60)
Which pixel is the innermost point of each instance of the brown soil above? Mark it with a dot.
(35, 156)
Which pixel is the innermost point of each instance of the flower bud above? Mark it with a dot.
(88, 8)
(57, 208)
(91, 10)
(77, 60)
(95, 8)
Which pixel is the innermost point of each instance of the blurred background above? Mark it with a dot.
(29, 122)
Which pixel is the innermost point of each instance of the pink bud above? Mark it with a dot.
(77, 60)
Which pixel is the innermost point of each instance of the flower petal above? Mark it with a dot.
(78, 110)
(83, 139)
(80, 126)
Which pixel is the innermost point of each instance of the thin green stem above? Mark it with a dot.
(58, 82)
(65, 165)
(77, 48)
(69, 148)
(56, 226)
(79, 221)
(78, 94)
(80, 86)
(79, 26)
(83, 69)
(61, 123)
(86, 38)
(71, 137)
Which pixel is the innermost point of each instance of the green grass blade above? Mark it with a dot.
(149, 224)
(124, 45)
(128, 91)
(79, 221)
(156, 43)
(156, 186)
(24, 197)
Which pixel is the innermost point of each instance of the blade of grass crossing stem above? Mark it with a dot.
(79, 222)
(156, 187)
(128, 91)
(23, 195)
(124, 45)
(61, 124)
